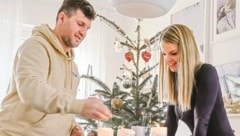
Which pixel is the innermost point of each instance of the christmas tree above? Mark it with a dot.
(131, 103)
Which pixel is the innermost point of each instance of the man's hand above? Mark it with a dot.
(95, 109)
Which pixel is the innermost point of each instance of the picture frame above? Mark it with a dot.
(197, 13)
(225, 20)
(229, 78)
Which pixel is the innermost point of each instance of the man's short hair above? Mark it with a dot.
(69, 7)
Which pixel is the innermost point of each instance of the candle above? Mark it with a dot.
(139, 130)
(125, 132)
(105, 132)
(158, 131)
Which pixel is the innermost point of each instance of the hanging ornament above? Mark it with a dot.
(115, 89)
(116, 103)
(129, 56)
(146, 55)
(126, 83)
(127, 72)
(117, 45)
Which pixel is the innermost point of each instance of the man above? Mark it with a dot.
(41, 98)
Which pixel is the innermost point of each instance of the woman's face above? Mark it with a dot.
(170, 54)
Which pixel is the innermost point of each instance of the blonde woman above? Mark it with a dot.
(191, 88)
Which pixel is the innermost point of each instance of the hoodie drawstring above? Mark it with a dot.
(68, 71)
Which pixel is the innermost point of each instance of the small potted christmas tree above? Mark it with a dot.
(131, 103)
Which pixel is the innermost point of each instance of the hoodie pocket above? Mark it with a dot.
(26, 115)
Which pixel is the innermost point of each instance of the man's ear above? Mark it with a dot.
(61, 17)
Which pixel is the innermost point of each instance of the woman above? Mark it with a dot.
(191, 87)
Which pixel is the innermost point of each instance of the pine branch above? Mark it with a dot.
(124, 95)
(144, 82)
(106, 94)
(117, 29)
(152, 40)
(135, 65)
(97, 81)
(128, 45)
(153, 90)
(134, 123)
(155, 37)
(144, 71)
(130, 112)
(155, 84)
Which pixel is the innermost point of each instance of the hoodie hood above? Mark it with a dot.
(45, 31)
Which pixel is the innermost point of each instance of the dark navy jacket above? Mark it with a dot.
(207, 116)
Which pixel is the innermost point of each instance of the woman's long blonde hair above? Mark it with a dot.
(179, 90)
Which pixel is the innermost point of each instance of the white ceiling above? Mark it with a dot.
(101, 4)
(44, 9)
(105, 5)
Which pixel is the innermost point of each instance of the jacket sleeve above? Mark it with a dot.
(172, 121)
(207, 86)
(31, 74)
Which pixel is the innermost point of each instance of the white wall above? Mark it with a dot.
(225, 52)
(36, 12)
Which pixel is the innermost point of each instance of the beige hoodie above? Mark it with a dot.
(41, 95)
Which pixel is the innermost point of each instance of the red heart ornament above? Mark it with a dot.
(129, 56)
(146, 56)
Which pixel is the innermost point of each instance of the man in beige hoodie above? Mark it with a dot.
(41, 97)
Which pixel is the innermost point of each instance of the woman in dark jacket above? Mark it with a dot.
(191, 88)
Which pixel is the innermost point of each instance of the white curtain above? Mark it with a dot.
(90, 58)
(98, 51)
(10, 24)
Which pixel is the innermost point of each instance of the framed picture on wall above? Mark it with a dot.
(229, 78)
(225, 20)
(194, 16)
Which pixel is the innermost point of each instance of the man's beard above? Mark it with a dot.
(67, 42)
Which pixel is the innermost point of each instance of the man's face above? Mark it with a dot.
(74, 29)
